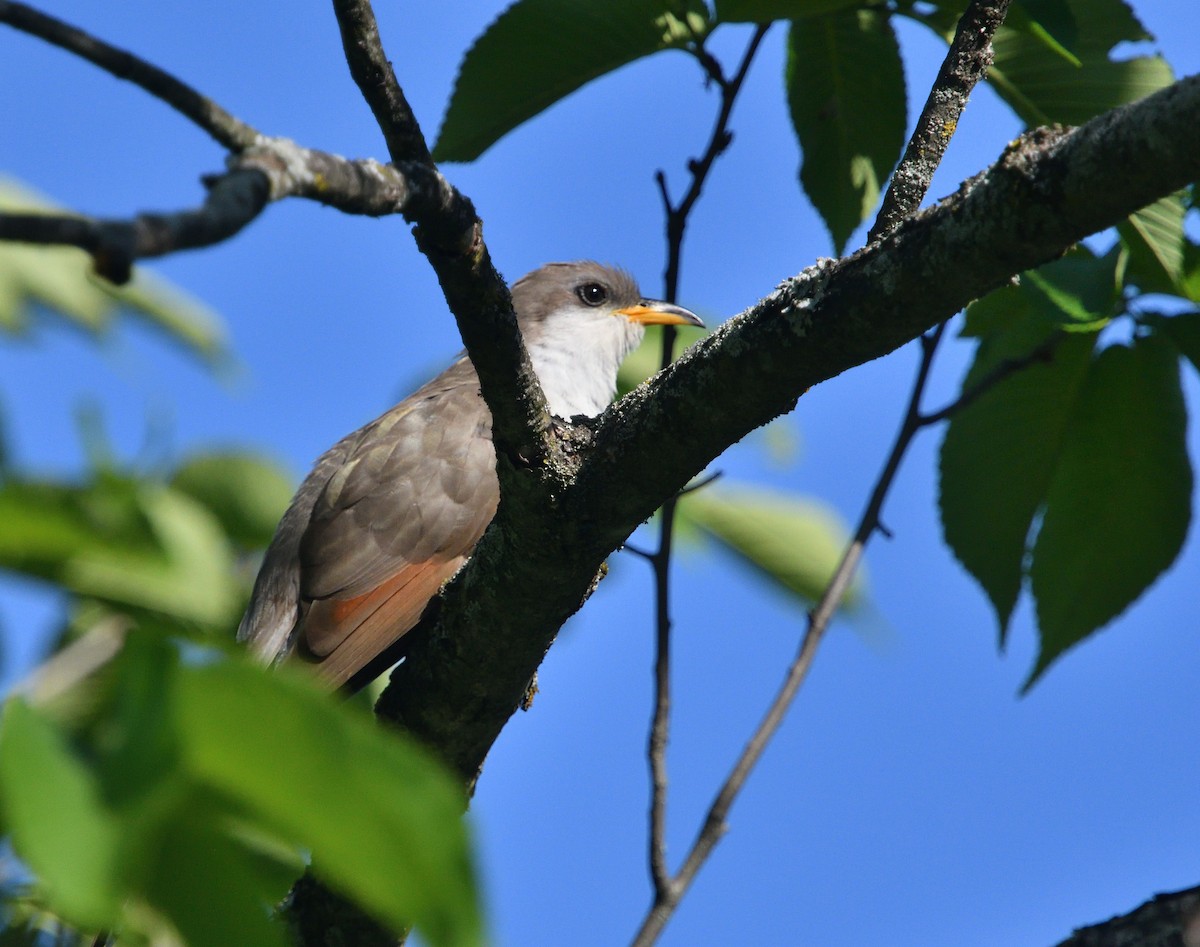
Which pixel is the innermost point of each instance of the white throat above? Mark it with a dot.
(576, 356)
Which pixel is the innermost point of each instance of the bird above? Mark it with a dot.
(393, 510)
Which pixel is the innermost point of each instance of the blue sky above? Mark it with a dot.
(912, 797)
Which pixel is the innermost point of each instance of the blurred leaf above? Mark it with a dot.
(539, 51)
(383, 820)
(794, 542)
(1000, 452)
(189, 573)
(210, 886)
(246, 493)
(123, 541)
(61, 279)
(59, 826)
(646, 358)
(768, 11)
(1119, 505)
(1153, 236)
(850, 120)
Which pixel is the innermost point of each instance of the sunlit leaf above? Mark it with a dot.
(1044, 87)
(539, 51)
(61, 279)
(188, 574)
(1154, 239)
(246, 493)
(850, 120)
(793, 541)
(1119, 505)
(383, 821)
(121, 541)
(1078, 293)
(58, 824)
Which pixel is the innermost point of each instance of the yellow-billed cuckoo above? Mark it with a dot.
(393, 510)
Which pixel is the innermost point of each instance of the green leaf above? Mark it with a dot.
(123, 541)
(61, 279)
(1118, 508)
(58, 824)
(188, 574)
(794, 542)
(1077, 293)
(768, 11)
(850, 120)
(246, 493)
(1051, 22)
(1153, 237)
(1183, 331)
(644, 361)
(382, 819)
(539, 51)
(1000, 452)
(1043, 88)
(210, 886)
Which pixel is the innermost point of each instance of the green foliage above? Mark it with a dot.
(1040, 83)
(794, 542)
(196, 788)
(1119, 504)
(849, 119)
(1073, 470)
(1155, 244)
(60, 280)
(540, 51)
(245, 493)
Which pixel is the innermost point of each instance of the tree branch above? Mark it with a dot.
(676, 225)
(450, 234)
(1166, 919)
(965, 64)
(1050, 188)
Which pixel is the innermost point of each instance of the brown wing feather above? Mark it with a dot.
(346, 634)
(386, 516)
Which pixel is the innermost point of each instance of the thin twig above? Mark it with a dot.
(676, 225)
(965, 64)
(959, 69)
(229, 131)
(1006, 368)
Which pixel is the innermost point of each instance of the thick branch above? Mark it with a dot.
(1049, 189)
(227, 130)
(1166, 919)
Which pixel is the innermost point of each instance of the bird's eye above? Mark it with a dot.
(591, 294)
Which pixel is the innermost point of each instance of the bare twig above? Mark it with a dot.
(965, 64)
(1006, 368)
(229, 131)
(233, 201)
(676, 225)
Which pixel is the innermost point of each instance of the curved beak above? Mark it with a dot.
(655, 312)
